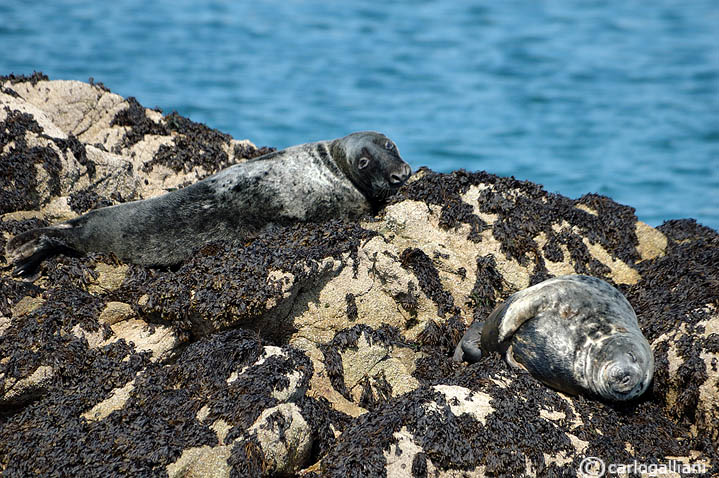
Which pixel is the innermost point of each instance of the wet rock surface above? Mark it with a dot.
(320, 350)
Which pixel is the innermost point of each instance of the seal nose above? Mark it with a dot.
(623, 378)
(399, 177)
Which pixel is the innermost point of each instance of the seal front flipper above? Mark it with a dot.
(468, 349)
(26, 251)
(481, 335)
(512, 361)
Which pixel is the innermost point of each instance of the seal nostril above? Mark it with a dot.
(396, 178)
(623, 380)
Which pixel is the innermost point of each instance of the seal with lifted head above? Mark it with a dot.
(313, 182)
(574, 333)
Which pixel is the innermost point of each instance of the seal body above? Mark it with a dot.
(575, 333)
(313, 182)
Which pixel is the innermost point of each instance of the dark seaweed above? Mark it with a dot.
(18, 176)
(82, 201)
(351, 307)
(98, 84)
(227, 284)
(197, 145)
(421, 265)
(348, 338)
(524, 210)
(135, 118)
(32, 79)
(78, 151)
(677, 289)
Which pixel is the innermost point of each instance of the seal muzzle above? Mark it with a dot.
(624, 367)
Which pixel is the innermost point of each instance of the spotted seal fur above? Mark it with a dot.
(575, 333)
(342, 178)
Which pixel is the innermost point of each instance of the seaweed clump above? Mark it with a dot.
(78, 151)
(197, 145)
(32, 79)
(441, 337)
(488, 286)
(250, 151)
(323, 419)
(82, 201)
(18, 176)
(525, 211)
(227, 284)
(512, 435)
(165, 399)
(446, 190)
(346, 339)
(677, 296)
(421, 265)
(352, 314)
(139, 125)
(194, 144)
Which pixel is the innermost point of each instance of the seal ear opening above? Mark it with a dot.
(363, 163)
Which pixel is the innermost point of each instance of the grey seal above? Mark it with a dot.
(575, 333)
(343, 178)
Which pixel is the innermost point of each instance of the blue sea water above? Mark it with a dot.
(615, 97)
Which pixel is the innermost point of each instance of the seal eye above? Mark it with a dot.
(389, 146)
(363, 162)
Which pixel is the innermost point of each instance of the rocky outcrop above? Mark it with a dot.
(320, 350)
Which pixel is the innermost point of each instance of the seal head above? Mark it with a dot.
(621, 368)
(372, 162)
